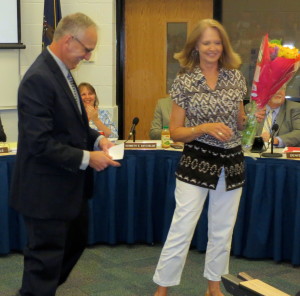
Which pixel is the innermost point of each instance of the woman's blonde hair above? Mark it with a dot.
(91, 89)
(188, 58)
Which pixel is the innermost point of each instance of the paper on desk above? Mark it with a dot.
(117, 151)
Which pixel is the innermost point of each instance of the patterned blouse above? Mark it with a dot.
(204, 105)
(105, 117)
(203, 159)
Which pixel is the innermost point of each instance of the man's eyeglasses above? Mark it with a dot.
(87, 50)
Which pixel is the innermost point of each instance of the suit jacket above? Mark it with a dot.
(288, 120)
(2, 133)
(161, 117)
(47, 182)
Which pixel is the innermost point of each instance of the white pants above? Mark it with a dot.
(222, 212)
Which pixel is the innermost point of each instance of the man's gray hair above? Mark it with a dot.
(73, 24)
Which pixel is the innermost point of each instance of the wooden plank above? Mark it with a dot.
(262, 288)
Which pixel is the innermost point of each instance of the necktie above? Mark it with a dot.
(268, 122)
(74, 90)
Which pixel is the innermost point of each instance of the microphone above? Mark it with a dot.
(274, 129)
(135, 121)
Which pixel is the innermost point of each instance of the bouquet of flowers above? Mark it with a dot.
(275, 67)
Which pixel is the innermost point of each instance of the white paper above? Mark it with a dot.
(117, 151)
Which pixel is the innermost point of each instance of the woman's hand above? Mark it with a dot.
(260, 114)
(218, 130)
(180, 133)
(92, 112)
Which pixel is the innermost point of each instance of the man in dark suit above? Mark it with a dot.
(2, 133)
(53, 172)
(287, 115)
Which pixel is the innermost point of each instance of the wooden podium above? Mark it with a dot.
(245, 285)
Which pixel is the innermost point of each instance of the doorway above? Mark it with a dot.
(144, 66)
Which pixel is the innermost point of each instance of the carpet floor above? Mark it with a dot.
(124, 270)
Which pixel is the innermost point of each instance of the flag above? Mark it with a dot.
(52, 15)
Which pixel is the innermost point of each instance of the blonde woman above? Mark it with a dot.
(209, 92)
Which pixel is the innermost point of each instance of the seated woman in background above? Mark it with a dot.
(98, 119)
(2, 133)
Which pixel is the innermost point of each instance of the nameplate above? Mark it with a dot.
(293, 154)
(3, 149)
(140, 145)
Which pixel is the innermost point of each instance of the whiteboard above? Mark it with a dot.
(9, 21)
(9, 78)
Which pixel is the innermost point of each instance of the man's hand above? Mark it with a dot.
(105, 144)
(99, 160)
(265, 136)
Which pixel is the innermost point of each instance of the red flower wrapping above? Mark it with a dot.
(271, 73)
